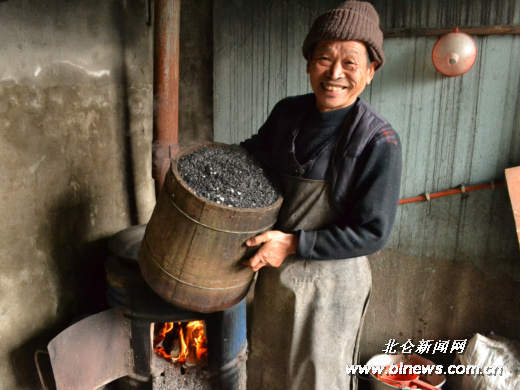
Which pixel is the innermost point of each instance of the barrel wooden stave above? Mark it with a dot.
(193, 248)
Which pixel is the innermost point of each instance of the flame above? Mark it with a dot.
(199, 339)
(188, 340)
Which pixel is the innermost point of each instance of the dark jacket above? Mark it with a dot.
(363, 167)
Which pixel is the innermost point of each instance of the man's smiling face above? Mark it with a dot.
(339, 72)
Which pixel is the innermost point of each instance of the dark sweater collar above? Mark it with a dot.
(323, 119)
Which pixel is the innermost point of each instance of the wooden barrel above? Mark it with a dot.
(192, 251)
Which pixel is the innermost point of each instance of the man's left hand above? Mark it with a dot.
(276, 246)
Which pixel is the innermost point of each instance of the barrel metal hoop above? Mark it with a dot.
(213, 228)
(190, 284)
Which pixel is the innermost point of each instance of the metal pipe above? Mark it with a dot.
(463, 189)
(165, 87)
(227, 345)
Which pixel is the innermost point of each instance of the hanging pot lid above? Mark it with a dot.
(454, 53)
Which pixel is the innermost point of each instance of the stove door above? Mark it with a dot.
(92, 352)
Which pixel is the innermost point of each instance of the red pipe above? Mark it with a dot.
(165, 87)
(463, 189)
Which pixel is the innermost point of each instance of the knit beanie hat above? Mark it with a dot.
(350, 21)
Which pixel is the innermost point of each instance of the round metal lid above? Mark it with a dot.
(126, 243)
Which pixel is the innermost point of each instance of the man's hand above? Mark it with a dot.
(276, 247)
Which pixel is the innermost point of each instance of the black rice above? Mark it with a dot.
(229, 176)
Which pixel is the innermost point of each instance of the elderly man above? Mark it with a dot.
(338, 163)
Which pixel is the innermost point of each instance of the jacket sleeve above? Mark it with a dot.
(261, 145)
(365, 222)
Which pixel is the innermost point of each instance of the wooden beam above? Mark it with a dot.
(513, 186)
(481, 30)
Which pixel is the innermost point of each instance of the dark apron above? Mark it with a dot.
(307, 314)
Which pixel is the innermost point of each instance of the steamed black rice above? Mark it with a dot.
(228, 176)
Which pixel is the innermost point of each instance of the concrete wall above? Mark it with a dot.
(75, 158)
(451, 268)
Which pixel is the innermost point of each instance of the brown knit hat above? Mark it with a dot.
(350, 21)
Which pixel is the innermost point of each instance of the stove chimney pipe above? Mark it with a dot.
(165, 87)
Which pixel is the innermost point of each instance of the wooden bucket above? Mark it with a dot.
(192, 251)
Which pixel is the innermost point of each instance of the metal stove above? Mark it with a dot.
(118, 342)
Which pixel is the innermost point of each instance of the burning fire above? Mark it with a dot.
(181, 342)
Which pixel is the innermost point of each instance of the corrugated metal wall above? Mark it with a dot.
(452, 266)
(454, 130)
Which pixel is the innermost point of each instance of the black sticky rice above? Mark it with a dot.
(228, 176)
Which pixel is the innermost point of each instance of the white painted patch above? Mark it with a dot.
(94, 73)
(33, 167)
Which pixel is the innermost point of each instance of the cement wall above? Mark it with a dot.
(75, 157)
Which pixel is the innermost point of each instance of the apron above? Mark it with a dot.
(307, 314)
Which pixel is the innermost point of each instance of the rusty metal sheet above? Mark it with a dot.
(93, 352)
